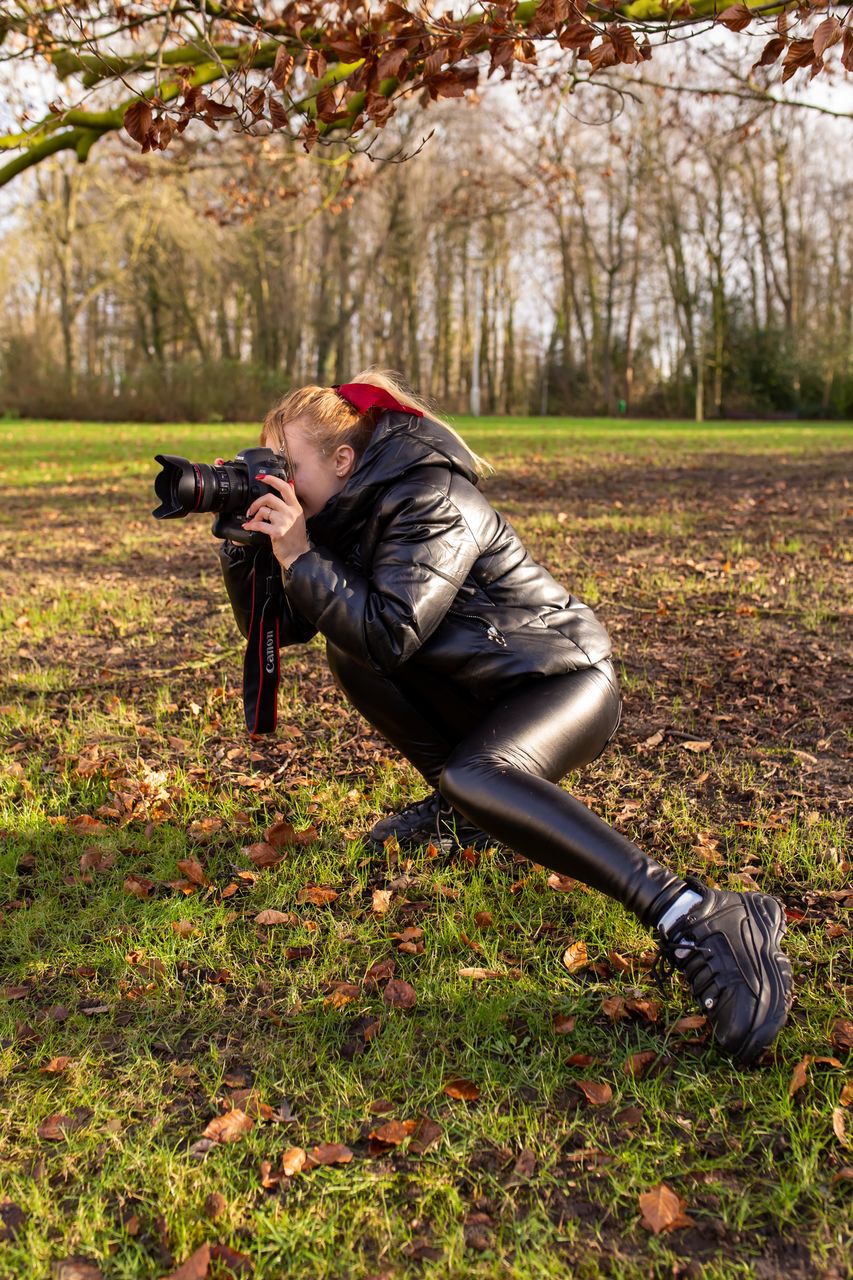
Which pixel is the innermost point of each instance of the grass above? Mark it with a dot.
(722, 575)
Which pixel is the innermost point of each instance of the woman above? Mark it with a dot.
(481, 670)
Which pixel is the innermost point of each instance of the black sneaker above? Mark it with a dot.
(728, 948)
(427, 821)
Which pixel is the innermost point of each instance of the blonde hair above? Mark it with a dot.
(329, 421)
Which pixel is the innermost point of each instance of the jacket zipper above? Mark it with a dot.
(492, 632)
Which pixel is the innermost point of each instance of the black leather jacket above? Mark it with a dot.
(412, 565)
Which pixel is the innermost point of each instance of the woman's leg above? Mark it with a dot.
(407, 721)
(502, 777)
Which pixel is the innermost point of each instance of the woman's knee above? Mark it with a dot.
(466, 778)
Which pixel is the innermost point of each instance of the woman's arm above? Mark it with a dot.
(238, 564)
(425, 554)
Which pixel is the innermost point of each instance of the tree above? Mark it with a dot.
(338, 71)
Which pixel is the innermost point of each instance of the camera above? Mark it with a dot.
(185, 487)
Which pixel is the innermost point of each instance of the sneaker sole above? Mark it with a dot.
(767, 921)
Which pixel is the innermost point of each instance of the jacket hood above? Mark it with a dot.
(401, 442)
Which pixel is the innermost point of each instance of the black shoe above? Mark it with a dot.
(427, 821)
(728, 948)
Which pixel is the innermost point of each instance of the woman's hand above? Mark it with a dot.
(280, 516)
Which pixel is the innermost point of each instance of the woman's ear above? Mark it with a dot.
(344, 460)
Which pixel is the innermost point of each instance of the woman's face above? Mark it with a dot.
(316, 476)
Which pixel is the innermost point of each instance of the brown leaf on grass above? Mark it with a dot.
(318, 895)
(57, 1127)
(238, 1264)
(184, 928)
(841, 1035)
(649, 744)
(690, 1022)
(196, 1266)
(16, 993)
(203, 828)
(561, 884)
(596, 1092)
(193, 870)
(479, 974)
(483, 919)
(581, 1059)
(139, 886)
(271, 916)
(328, 1153)
(76, 1268)
(563, 1023)
(399, 994)
(381, 901)
(663, 1210)
(843, 1175)
(85, 825)
(614, 1008)
(234, 1125)
(293, 1161)
(800, 1076)
(379, 971)
(343, 993)
(56, 1065)
(463, 1090)
(649, 1010)
(282, 833)
(637, 1064)
(262, 855)
(575, 956)
(846, 1094)
(425, 1135)
(839, 1126)
(696, 745)
(390, 1134)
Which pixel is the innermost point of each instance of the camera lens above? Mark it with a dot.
(184, 487)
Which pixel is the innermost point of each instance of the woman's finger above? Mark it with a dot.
(271, 500)
(284, 487)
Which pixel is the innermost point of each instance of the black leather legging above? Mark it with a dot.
(497, 765)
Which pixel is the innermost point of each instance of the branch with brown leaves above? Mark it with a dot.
(290, 67)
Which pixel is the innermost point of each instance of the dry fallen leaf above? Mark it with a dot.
(328, 1153)
(56, 1065)
(839, 1126)
(426, 1134)
(193, 870)
(464, 1090)
(262, 855)
(637, 1064)
(319, 895)
(562, 884)
(381, 901)
(231, 1127)
(196, 1266)
(293, 1161)
(479, 974)
(842, 1033)
(564, 1023)
(800, 1076)
(598, 1093)
(695, 745)
(399, 994)
(575, 957)
(663, 1210)
(271, 916)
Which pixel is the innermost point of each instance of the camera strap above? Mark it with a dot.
(261, 672)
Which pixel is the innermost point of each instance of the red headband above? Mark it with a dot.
(364, 396)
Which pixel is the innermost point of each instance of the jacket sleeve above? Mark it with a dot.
(237, 564)
(422, 559)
